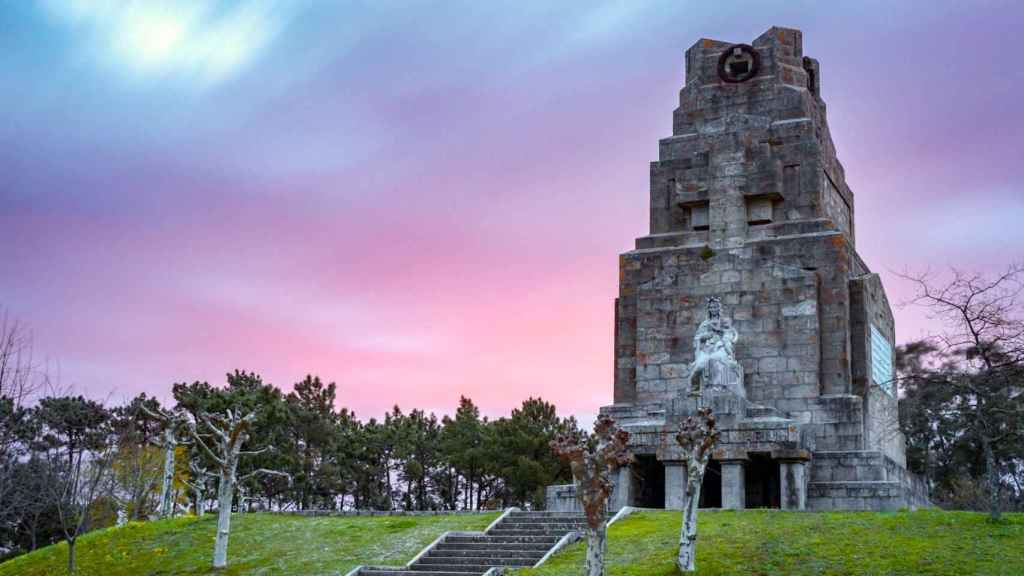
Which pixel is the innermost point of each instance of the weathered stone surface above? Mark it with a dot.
(793, 485)
(675, 485)
(733, 485)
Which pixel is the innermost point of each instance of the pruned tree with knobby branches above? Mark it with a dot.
(227, 434)
(198, 475)
(697, 437)
(171, 424)
(593, 459)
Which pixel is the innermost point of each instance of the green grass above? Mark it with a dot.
(794, 543)
(750, 542)
(260, 544)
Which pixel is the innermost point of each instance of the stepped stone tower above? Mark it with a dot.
(749, 207)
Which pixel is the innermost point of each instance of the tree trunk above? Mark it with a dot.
(688, 533)
(166, 487)
(200, 497)
(597, 542)
(992, 475)
(455, 490)
(225, 494)
(71, 556)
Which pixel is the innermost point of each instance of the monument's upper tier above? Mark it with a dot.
(750, 154)
(746, 74)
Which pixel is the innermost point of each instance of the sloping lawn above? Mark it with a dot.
(796, 543)
(750, 542)
(260, 544)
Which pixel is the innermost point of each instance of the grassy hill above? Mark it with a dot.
(260, 544)
(749, 542)
(799, 543)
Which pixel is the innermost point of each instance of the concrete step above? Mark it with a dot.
(850, 489)
(546, 514)
(509, 546)
(485, 561)
(530, 532)
(380, 572)
(565, 527)
(420, 569)
(506, 539)
(850, 466)
(544, 520)
(487, 552)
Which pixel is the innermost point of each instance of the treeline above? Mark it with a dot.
(962, 409)
(70, 464)
(964, 427)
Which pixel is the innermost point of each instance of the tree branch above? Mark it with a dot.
(266, 471)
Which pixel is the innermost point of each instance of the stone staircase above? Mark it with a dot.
(518, 539)
(862, 480)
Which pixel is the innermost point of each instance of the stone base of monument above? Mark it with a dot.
(764, 458)
(863, 480)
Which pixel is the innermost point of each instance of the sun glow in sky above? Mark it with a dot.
(419, 199)
(200, 42)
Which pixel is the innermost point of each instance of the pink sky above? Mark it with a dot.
(424, 201)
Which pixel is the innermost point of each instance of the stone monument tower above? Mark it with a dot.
(748, 295)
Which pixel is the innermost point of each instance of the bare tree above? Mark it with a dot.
(697, 437)
(82, 485)
(593, 459)
(197, 484)
(18, 380)
(984, 330)
(18, 372)
(229, 433)
(171, 424)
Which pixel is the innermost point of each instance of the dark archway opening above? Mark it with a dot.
(649, 476)
(762, 482)
(711, 488)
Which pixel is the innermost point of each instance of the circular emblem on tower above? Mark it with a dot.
(738, 63)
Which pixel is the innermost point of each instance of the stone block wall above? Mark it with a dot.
(562, 498)
(862, 480)
(786, 297)
(869, 308)
(765, 138)
(838, 423)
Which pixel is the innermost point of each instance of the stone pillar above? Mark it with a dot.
(622, 495)
(675, 484)
(792, 485)
(734, 486)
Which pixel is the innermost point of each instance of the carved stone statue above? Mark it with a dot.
(714, 365)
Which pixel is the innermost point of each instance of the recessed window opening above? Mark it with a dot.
(698, 217)
(739, 67)
(759, 211)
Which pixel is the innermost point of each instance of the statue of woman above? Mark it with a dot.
(714, 364)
